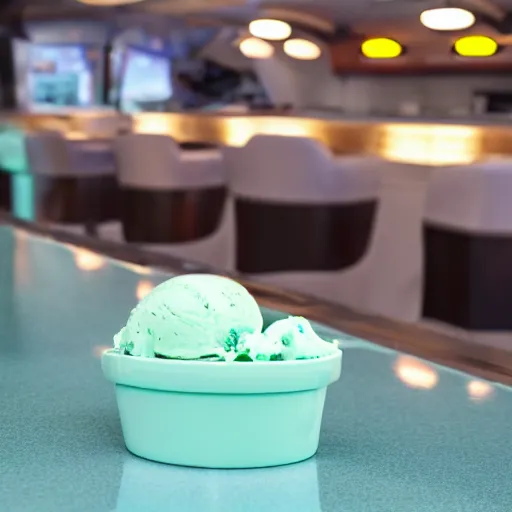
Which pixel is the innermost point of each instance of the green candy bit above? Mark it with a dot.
(287, 339)
(243, 358)
(231, 342)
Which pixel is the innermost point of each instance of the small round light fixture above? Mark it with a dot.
(447, 18)
(109, 3)
(475, 46)
(381, 48)
(302, 49)
(255, 48)
(273, 30)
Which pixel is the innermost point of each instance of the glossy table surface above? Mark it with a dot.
(399, 434)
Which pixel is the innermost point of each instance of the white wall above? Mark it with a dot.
(304, 84)
(309, 85)
(434, 95)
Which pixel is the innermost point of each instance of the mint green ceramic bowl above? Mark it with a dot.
(221, 415)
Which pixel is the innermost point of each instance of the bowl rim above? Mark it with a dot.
(214, 377)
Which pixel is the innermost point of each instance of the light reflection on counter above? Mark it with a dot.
(151, 487)
(479, 390)
(133, 267)
(430, 144)
(99, 350)
(415, 373)
(88, 261)
(144, 288)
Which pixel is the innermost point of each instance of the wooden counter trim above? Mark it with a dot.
(413, 140)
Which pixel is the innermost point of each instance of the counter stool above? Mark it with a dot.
(388, 280)
(468, 250)
(74, 188)
(301, 215)
(174, 201)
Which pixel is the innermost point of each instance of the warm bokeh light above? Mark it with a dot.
(144, 288)
(430, 144)
(238, 131)
(447, 18)
(99, 350)
(415, 373)
(381, 48)
(87, 260)
(475, 46)
(302, 49)
(479, 390)
(137, 269)
(254, 48)
(273, 30)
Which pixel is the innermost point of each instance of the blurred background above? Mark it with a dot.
(355, 150)
(165, 55)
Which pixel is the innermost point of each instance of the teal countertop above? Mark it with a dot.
(399, 434)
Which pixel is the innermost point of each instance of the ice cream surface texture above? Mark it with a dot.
(202, 316)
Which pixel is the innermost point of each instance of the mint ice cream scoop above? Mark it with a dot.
(190, 317)
(285, 340)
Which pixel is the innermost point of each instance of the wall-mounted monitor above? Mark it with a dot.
(145, 80)
(61, 75)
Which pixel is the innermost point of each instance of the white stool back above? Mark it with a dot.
(149, 162)
(473, 197)
(49, 154)
(148, 166)
(468, 235)
(156, 162)
(284, 169)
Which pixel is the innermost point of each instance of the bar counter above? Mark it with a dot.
(399, 433)
(426, 141)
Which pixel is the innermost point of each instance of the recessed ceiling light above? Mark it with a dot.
(381, 48)
(273, 30)
(255, 48)
(475, 46)
(447, 18)
(109, 3)
(302, 49)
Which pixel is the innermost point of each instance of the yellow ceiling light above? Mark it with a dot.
(109, 3)
(255, 48)
(273, 30)
(302, 49)
(475, 46)
(447, 18)
(381, 48)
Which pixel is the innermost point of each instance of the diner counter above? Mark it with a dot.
(428, 141)
(399, 433)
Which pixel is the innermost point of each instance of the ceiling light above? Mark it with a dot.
(475, 46)
(302, 49)
(274, 30)
(255, 48)
(108, 3)
(447, 18)
(381, 48)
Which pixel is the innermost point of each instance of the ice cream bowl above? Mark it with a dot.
(221, 415)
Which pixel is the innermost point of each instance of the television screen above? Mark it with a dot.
(146, 82)
(60, 75)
